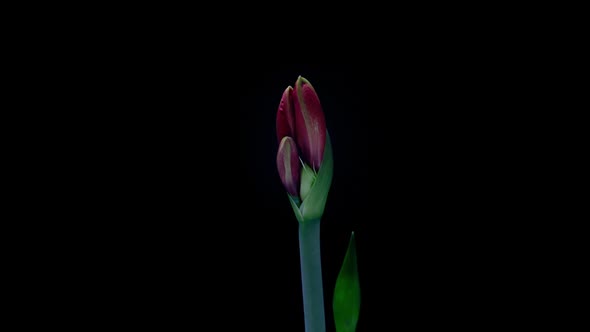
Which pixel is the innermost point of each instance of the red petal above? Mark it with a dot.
(285, 116)
(310, 124)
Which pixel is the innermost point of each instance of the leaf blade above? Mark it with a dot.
(347, 293)
(314, 204)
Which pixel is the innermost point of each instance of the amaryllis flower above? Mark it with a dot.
(304, 161)
(304, 158)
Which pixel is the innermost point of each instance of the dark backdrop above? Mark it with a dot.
(428, 173)
(159, 185)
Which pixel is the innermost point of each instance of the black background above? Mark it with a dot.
(189, 217)
(154, 171)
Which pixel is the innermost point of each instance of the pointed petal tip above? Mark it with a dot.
(288, 90)
(301, 80)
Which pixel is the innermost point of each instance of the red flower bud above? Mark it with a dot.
(289, 165)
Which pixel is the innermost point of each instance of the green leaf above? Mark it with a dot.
(347, 293)
(313, 205)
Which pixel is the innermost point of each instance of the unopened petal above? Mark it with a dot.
(310, 124)
(289, 165)
(286, 116)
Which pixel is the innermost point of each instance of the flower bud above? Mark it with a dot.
(289, 165)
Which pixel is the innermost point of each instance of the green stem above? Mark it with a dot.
(311, 276)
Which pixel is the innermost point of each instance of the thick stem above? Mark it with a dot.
(311, 276)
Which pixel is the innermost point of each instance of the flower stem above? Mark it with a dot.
(311, 276)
